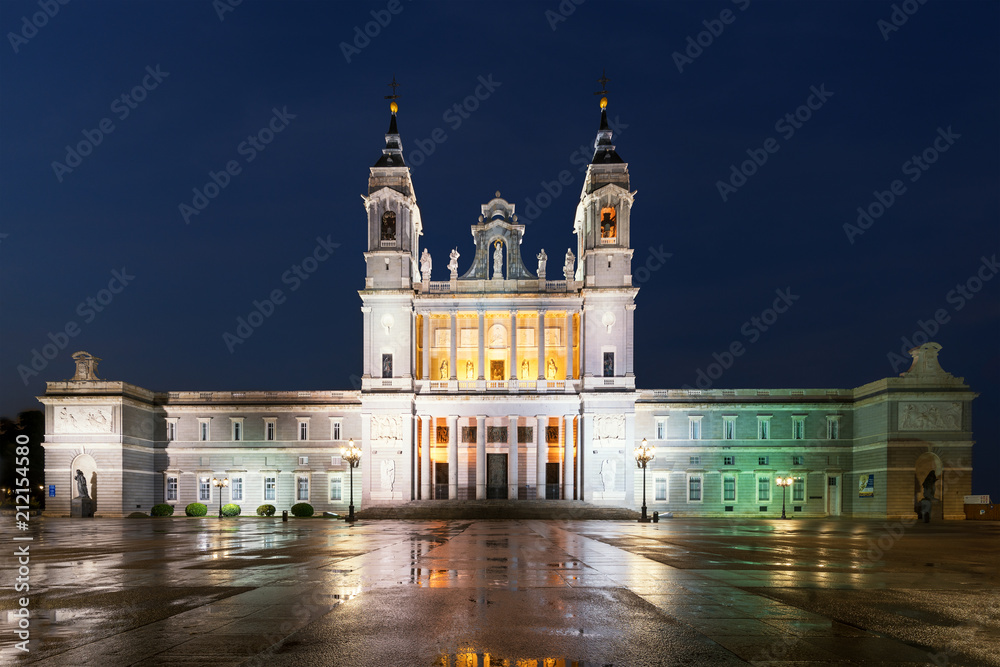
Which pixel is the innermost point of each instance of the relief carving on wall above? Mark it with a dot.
(608, 469)
(609, 427)
(926, 416)
(387, 427)
(388, 474)
(83, 419)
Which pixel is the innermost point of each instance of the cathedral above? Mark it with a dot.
(512, 379)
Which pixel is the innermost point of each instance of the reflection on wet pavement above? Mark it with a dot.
(518, 593)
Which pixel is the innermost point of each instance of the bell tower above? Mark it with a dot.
(394, 229)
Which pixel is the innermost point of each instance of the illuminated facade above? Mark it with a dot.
(505, 381)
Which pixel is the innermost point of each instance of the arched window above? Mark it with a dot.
(389, 226)
(609, 224)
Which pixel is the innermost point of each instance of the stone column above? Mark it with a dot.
(512, 458)
(452, 457)
(568, 473)
(542, 452)
(629, 339)
(482, 345)
(569, 345)
(480, 457)
(541, 344)
(453, 357)
(369, 334)
(426, 432)
(426, 360)
(513, 345)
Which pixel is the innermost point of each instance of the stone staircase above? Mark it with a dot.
(497, 509)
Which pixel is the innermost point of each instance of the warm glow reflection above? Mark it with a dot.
(470, 659)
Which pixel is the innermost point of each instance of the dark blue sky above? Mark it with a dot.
(884, 100)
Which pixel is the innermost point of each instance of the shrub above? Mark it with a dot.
(162, 509)
(196, 509)
(231, 509)
(266, 510)
(302, 509)
(138, 515)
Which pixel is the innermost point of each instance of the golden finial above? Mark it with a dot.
(393, 107)
(604, 103)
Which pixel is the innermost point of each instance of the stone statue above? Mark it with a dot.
(497, 261)
(568, 266)
(608, 475)
(443, 370)
(525, 369)
(81, 484)
(542, 259)
(86, 367)
(470, 370)
(425, 265)
(453, 262)
(553, 369)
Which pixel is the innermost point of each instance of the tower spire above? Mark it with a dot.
(392, 154)
(604, 150)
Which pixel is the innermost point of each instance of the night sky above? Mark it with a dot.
(884, 85)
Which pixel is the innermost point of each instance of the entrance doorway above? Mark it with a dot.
(441, 481)
(832, 495)
(496, 475)
(552, 481)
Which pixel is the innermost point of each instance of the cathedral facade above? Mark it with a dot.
(513, 379)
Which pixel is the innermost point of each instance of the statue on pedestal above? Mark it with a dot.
(425, 266)
(542, 259)
(497, 260)
(568, 266)
(453, 263)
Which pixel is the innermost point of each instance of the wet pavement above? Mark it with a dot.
(253, 591)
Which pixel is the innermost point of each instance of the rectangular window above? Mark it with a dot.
(660, 488)
(237, 430)
(661, 429)
(336, 430)
(729, 428)
(336, 487)
(763, 489)
(269, 429)
(387, 365)
(236, 489)
(203, 431)
(303, 430)
(763, 428)
(833, 428)
(171, 430)
(303, 488)
(694, 428)
(729, 488)
(609, 364)
(728, 460)
(798, 490)
(798, 428)
(171, 488)
(694, 460)
(798, 460)
(270, 488)
(694, 489)
(763, 460)
(204, 488)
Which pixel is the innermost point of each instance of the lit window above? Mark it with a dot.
(694, 488)
(694, 428)
(609, 224)
(336, 488)
(728, 460)
(763, 428)
(833, 427)
(661, 428)
(763, 488)
(729, 488)
(236, 489)
(798, 428)
(729, 428)
(270, 488)
(798, 490)
(205, 488)
(171, 488)
(303, 488)
(660, 488)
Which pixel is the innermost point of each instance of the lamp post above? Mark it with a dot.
(352, 455)
(783, 482)
(220, 484)
(643, 455)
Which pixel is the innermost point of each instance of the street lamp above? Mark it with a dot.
(643, 455)
(220, 484)
(783, 482)
(352, 455)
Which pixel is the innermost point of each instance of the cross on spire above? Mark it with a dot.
(604, 84)
(394, 86)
